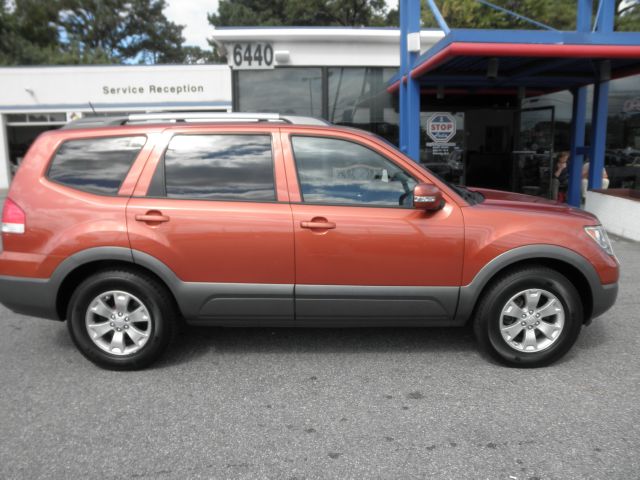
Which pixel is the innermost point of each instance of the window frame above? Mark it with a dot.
(47, 172)
(161, 164)
(359, 205)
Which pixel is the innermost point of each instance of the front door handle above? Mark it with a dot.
(318, 224)
(152, 217)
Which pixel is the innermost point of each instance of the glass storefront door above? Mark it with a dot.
(533, 156)
(442, 138)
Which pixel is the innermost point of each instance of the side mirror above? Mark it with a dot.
(427, 197)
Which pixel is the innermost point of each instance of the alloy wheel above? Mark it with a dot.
(532, 320)
(118, 322)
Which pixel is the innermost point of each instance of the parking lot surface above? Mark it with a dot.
(295, 404)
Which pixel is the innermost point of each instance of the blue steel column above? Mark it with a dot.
(604, 24)
(413, 86)
(577, 144)
(578, 117)
(402, 91)
(599, 134)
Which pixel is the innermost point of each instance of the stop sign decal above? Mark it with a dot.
(441, 127)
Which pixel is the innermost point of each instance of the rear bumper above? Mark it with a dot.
(604, 296)
(29, 296)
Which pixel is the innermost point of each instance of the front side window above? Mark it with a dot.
(95, 165)
(218, 167)
(333, 171)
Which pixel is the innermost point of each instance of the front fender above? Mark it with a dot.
(469, 294)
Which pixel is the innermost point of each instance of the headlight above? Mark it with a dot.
(599, 234)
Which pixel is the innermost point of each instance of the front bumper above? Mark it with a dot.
(29, 296)
(604, 297)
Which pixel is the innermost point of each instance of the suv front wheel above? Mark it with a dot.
(529, 317)
(120, 319)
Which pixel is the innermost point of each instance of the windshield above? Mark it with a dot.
(469, 196)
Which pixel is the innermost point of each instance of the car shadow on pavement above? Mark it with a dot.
(195, 342)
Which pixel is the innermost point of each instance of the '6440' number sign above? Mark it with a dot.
(251, 55)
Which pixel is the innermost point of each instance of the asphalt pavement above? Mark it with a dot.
(336, 404)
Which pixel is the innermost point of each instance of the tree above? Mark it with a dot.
(473, 14)
(26, 38)
(125, 30)
(33, 32)
(29, 36)
(301, 13)
(347, 13)
(557, 14)
(628, 19)
(191, 55)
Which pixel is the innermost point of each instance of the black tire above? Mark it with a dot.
(155, 297)
(488, 316)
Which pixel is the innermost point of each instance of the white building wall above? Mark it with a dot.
(129, 88)
(620, 216)
(104, 88)
(5, 174)
(331, 47)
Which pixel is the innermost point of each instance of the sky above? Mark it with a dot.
(193, 15)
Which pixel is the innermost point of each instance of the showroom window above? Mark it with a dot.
(293, 91)
(357, 97)
(622, 155)
(334, 171)
(352, 96)
(217, 167)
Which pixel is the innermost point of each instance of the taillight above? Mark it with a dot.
(13, 218)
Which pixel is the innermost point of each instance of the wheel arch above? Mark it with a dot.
(83, 264)
(572, 265)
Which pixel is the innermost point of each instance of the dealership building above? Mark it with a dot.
(475, 126)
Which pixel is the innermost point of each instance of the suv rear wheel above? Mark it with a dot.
(529, 317)
(121, 320)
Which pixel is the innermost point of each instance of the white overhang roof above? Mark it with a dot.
(317, 34)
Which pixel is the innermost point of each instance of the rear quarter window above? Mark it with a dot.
(95, 165)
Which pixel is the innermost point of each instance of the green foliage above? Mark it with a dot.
(299, 13)
(472, 14)
(125, 30)
(33, 32)
(628, 19)
(28, 35)
(560, 15)
(191, 55)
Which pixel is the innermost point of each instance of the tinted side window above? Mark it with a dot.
(95, 165)
(341, 172)
(220, 167)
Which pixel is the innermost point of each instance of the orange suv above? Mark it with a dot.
(124, 226)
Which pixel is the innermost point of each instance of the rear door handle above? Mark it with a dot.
(320, 224)
(152, 217)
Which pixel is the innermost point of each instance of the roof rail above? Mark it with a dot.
(191, 117)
